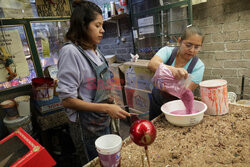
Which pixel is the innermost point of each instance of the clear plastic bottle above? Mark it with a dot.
(105, 11)
(112, 8)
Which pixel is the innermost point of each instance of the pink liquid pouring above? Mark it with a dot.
(188, 99)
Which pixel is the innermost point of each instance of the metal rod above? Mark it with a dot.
(190, 17)
(118, 28)
(242, 87)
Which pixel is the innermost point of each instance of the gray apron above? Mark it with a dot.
(159, 97)
(95, 124)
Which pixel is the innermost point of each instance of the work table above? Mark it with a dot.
(216, 141)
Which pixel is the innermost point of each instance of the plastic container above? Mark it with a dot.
(108, 148)
(9, 106)
(232, 97)
(23, 122)
(43, 88)
(214, 94)
(23, 105)
(183, 120)
(244, 103)
(112, 8)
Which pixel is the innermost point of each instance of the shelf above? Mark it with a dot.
(115, 18)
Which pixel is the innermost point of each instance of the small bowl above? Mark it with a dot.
(183, 120)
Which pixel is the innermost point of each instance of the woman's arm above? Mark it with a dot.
(112, 109)
(197, 75)
(192, 86)
(178, 73)
(154, 63)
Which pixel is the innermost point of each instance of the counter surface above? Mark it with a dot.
(216, 141)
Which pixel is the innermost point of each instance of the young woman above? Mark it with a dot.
(83, 77)
(181, 61)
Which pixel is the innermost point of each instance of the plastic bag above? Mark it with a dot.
(164, 80)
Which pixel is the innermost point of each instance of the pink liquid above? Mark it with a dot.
(188, 99)
(183, 112)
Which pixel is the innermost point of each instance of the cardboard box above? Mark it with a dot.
(51, 71)
(137, 98)
(20, 149)
(142, 114)
(118, 94)
(117, 76)
(110, 58)
(45, 107)
(137, 75)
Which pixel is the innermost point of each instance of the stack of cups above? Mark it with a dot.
(23, 105)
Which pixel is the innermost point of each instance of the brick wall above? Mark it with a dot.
(226, 49)
(111, 44)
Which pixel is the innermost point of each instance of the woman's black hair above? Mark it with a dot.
(83, 13)
(192, 30)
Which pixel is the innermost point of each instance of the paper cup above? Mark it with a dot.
(108, 148)
(23, 105)
(214, 95)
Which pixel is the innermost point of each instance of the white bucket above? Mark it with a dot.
(23, 122)
(23, 105)
(108, 148)
(214, 94)
(183, 120)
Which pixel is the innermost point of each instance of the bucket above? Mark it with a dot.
(43, 88)
(183, 120)
(108, 148)
(23, 105)
(214, 94)
(9, 106)
(23, 122)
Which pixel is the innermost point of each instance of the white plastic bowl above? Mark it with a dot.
(183, 120)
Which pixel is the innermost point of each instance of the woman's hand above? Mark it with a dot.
(178, 73)
(115, 111)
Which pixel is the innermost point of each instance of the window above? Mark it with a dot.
(21, 78)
